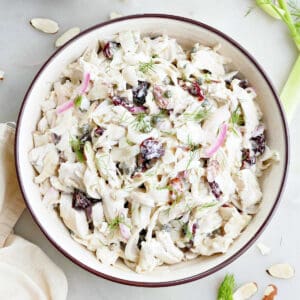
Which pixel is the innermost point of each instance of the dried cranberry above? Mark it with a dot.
(247, 158)
(215, 189)
(109, 49)
(99, 131)
(258, 144)
(122, 101)
(194, 228)
(142, 238)
(151, 148)
(82, 201)
(150, 151)
(195, 90)
(55, 138)
(137, 109)
(244, 84)
(140, 92)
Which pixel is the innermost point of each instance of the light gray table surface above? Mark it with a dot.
(22, 52)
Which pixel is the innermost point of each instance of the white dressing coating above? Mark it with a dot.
(151, 153)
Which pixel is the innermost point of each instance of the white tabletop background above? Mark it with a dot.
(22, 52)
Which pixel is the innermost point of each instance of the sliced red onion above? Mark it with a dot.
(219, 141)
(85, 82)
(137, 109)
(125, 231)
(65, 106)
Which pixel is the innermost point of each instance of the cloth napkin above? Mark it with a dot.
(25, 270)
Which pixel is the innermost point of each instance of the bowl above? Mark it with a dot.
(187, 32)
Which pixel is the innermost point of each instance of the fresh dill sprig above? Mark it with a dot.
(207, 205)
(186, 231)
(77, 147)
(237, 117)
(198, 115)
(192, 151)
(142, 123)
(78, 100)
(226, 288)
(147, 66)
(114, 223)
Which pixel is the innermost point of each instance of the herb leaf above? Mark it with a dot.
(114, 223)
(226, 288)
(77, 147)
(143, 123)
(198, 115)
(78, 100)
(147, 66)
(207, 205)
(237, 117)
(186, 231)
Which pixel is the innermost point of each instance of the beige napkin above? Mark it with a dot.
(25, 270)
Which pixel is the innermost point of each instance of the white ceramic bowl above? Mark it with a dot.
(187, 32)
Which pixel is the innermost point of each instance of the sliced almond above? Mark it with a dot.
(245, 292)
(44, 25)
(283, 271)
(66, 36)
(264, 250)
(1, 75)
(114, 15)
(270, 292)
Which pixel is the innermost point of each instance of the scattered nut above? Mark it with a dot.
(66, 36)
(245, 292)
(1, 75)
(283, 271)
(264, 250)
(44, 25)
(270, 292)
(114, 15)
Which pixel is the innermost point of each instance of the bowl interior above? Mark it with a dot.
(187, 34)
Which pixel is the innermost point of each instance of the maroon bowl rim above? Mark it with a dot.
(235, 255)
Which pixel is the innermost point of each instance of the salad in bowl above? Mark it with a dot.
(151, 152)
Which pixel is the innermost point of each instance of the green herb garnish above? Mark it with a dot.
(207, 205)
(192, 151)
(146, 67)
(161, 115)
(114, 223)
(237, 117)
(226, 288)
(142, 123)
(167, 94)
(77, 147)
(77, 101)
(198, 115)
(186, 231)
